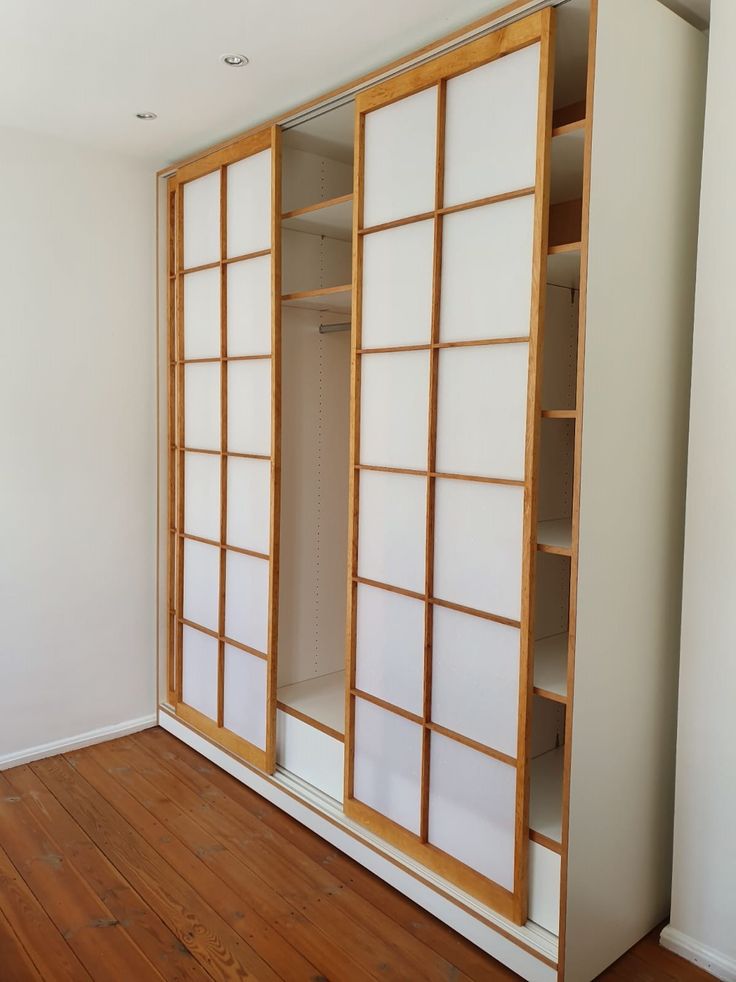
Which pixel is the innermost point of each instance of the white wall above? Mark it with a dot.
(77, 441)
(704, 887)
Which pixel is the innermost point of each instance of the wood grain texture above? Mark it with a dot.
(144, 851)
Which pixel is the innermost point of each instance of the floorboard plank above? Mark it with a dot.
(139, 859)
(297, 878)
(217, 875)
(228, 797)
(222, 952)
(15, 964)
(99, 941)
(33, 927)
(155, 940)
(659, 959)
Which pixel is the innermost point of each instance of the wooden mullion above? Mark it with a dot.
(180, 437)
(275, 409)
(388, 706)
(434, 356)
(172, 460)
(354, 436)
(492, 199)
(481, 748)
(472, 343)
(230, 453)
(397, 222)
(222, 637)
(198, 269)
(413, 472)
(223, 447)
(226, 260)
(216, 359)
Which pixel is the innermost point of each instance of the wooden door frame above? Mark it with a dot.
(264, 139)
(537, 28)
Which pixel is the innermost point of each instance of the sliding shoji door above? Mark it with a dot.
(451, 238)
(224, 491)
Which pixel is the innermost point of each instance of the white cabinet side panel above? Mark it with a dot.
(647, 131)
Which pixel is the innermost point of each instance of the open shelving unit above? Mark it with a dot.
(333, 218)
(550, 667)
(334, 299)
(317, 701)
(555, 536)
(545, 807)
(557, 463)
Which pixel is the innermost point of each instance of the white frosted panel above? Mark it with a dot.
(491, 128)
(481, 410)
(201, 584)
(202, 495)
(392, 529)
(244, 702)
(387, 764)
(487, 271)
(249, 406)
(202, 406)
(249, 204)
(199, 671)
(399, 158)
(246, 600)
(390, 647)
(475, 678)
(202, 314)
(472, 808)
(202, 220)
(249, 504)
(394, 396)
(249, 307)
(478, 545)
(397, 285)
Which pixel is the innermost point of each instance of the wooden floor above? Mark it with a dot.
(137, 860)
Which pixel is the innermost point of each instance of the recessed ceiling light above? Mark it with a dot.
(146, 116)
(234, 61)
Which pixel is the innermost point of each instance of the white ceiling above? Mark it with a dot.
(81, 69)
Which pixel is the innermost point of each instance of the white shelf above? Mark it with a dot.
(321, 698)
(567, 166)
(556, 535)
(332, 218)
(333, 299)
(563, 268)
(545, 808)
(550, 664)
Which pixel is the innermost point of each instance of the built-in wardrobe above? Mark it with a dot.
(425, 362)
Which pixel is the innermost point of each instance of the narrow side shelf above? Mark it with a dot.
(555, 536)
(319, 701)
(550, 667)
(567, 163)
(559, 414)
(334, 299)
(545, 806)
(567, 117)
(333, 218)
(563, 265)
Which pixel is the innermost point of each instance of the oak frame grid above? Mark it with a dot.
(266, 139)
(536, 28)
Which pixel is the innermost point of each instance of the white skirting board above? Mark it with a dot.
(710, 960)
(324, 817)
(78, 741)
